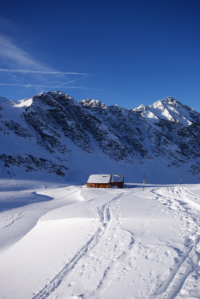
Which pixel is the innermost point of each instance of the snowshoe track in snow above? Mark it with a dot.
(178, 198)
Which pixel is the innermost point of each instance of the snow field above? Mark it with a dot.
(21, 206)
(105, 243)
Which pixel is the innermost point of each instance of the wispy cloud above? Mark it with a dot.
(43, 86)
(14, 55)
(43, 72)
(19, 68)
(74, 80)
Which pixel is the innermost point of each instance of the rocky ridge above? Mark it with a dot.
(53, 127)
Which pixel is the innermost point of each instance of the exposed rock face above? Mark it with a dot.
(50, 126)
(32, 164)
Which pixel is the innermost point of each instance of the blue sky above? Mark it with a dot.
(118, 52)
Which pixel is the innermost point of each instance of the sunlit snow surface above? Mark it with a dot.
(68, 241)
(168, 109)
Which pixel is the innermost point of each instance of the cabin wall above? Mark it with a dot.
(117, 184)
(95, 185)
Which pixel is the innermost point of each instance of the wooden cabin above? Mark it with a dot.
(117, 180)
(105, 181)
(99, 181)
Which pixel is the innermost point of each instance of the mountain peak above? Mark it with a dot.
(53, 134)
(172, 110)
(93, 103)
(55, 94)
(169, 99)
(140, 108)
(172, 102)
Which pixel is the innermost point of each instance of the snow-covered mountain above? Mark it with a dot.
(52, 135)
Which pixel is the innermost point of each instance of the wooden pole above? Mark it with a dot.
(143, 182)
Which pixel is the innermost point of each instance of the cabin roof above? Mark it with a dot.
(117, 178)
(99, 179)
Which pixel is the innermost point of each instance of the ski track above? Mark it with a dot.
(177, 198)
(106, 218)
(122, 242)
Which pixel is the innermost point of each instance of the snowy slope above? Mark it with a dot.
(101, 243)
(51, 136)
(63, 240)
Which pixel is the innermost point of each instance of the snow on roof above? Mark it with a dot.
(117, 178)
(99, 178)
